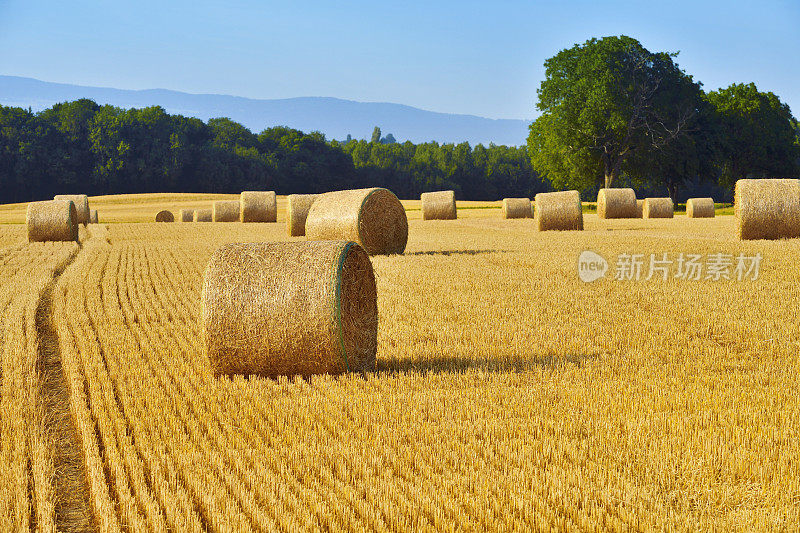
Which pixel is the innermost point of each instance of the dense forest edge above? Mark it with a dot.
(645, 124)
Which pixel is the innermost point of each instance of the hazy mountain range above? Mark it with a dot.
(334, 117)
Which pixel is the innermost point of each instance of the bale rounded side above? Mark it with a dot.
(517, 208)
(374, 218)
(187, 215)
(558, 211)
(292, 308)
(52, 220)
(658, 208)
(439, 205)
(93, 216)
(165, 216)
(81, 202)
(297, 207)
(639, 208)
(258, 206)
(616, 203)
(202, 215)
(225, 211)
(700, 208)
(767, 208)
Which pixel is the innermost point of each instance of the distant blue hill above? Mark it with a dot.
(334, 117)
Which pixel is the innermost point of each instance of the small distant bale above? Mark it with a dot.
(517, 208)
(93, 216)
(226, 211)
(297, 206)
(258, 206)
(700, 208)
(202, 215)
(52, 220)
(639, 208)
(558, 211)
(165, 216)
(767, 208)
(81, 202)
(439, 205)
(658, 208)
(374, 218)
(290, 308)
(616, 203)
(187, 215)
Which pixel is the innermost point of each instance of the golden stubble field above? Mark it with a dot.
(509, 394)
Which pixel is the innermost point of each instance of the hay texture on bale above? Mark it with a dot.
(297, 206)
(226, 211)
(93, 216)
(639, 208)
(658, 208)
(165, 216)
(616, 203)
(81, 202)
(517, 208)
(52, 220)
(187, 215)
(258, 206)
(767, 208)
(558, 211)
(202, 215)
(439, 205)
(700, 208)
(290, 308)
(374, 218)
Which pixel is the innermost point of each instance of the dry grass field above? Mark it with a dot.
(509, 394)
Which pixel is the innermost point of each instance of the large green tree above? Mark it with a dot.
(603, 102)
(760, 137)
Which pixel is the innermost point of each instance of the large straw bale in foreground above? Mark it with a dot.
(93, 216)
(558, 211)
(517, 208)
(297, 207)
(52, 220)
(658, 208)
(165, 216)
(202, 215)
(81, 202)
(616, 203)
(374, 218)
(187, 215)
(292, 308)
(258, 206)
(439, 205)
(226, 211)
(767, 208)
(700, 208)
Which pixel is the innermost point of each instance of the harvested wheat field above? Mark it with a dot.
(508, 394)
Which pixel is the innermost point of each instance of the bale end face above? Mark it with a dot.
(700, 208)
(165, 216)
(517, 208)
(293, 308)
(616, 203)
(767, 208)
(53, 220)
(258, 206)
(639, 208)
(558, 211)
(93, 216)
(658, 208)
(439, 205)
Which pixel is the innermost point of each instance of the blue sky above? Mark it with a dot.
(481, 58)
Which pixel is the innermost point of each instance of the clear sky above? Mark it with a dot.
(455, 56)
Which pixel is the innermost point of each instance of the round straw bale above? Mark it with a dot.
(81, 202)
(700, 208)
(374, 218)
(558, 211)
(202, 215)
(93, 216)
(258, 206)
(616, 203)
(187, 215)
(165, 216)
(290, 308)
(639, 208)
(52, 220)
(439, 205)
(658, 208)
(767, 208)
(297, 207)
(517, 208)
(226, 211)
